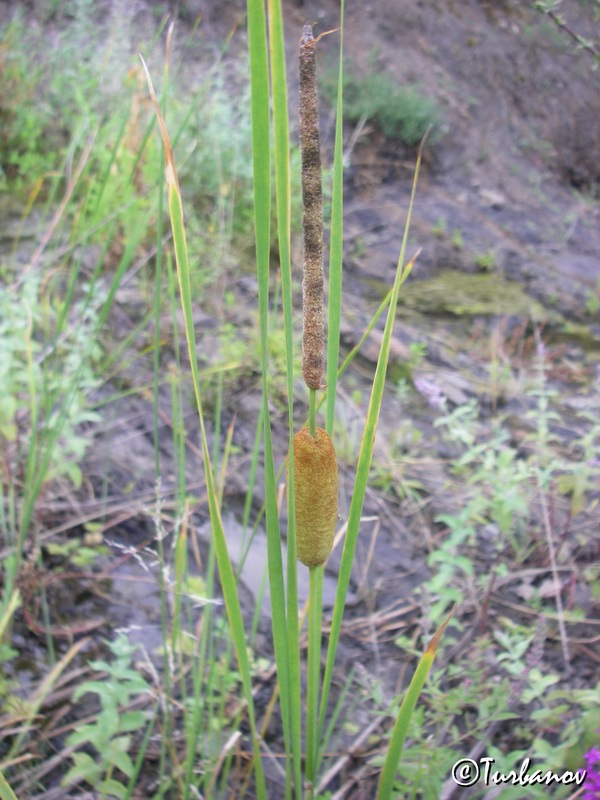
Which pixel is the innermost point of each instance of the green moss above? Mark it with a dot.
(578, 333)
(454, 292)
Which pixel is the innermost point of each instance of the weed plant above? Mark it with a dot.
(108, 733)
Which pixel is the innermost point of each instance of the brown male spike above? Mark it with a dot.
(312, 219)
(316, 495)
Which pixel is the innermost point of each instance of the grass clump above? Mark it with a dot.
(399, 112)
(22, 124)
(48, 94)
(50, 379)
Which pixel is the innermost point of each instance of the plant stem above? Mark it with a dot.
(315, 609)
(312, 406)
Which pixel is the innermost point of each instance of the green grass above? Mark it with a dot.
(399, 112)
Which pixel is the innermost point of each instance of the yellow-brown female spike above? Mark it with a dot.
(316, 495)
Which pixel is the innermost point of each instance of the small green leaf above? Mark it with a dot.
(122, 761)
(112, 788)
(85, 768)
(132, 721)
(81, 736)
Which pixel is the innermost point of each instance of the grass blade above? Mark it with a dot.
(394, 753)
(6, 793)
(335, 247)
(281, 141)
(261, 163)
(334, 301)
(42, 692)
(364, 461)
(11, 602)
(228, 582)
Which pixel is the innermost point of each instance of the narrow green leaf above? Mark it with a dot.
(394, 753)
(6, 793)
(11, 602)
(364, 461)
(228, 582)
(334, 313)
(336, 245)
(281, 141)
(283, 638)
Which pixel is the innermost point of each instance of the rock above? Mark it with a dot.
(492, 198)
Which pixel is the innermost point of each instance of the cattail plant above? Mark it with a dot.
(312, 467)
(315, 464)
